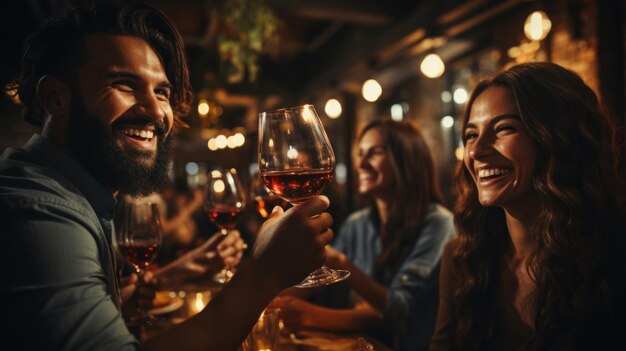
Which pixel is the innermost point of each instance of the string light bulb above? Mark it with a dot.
(203, 107)
(371, 90)
(432, 66)
(333, 108)
(537, 26)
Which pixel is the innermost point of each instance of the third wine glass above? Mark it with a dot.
(264, 200)
(224, 199)
(296, 161)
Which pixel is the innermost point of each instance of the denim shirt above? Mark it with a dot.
(411, 309)
(59, 286)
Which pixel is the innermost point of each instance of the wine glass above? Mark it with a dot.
(138, 232)
(264, 200)
(138, 236)
(224, 199)
(296, 161)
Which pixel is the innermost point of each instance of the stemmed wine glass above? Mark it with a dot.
(224, 199)
(264, 200)
(138, 236)
(296, 161)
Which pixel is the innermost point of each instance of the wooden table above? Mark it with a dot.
(196, 295)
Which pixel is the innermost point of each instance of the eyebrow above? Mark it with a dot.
(134, 77)
(494, 120)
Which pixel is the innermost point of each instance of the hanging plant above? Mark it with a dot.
(248, 28)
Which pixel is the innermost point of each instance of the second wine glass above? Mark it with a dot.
(138, 236)
(224, 199)
(296, 161)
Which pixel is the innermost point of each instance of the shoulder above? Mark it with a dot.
(24, 179)
(357, 228)
(449, 260)
(439, 213)
(359, 221)
(438, 224)
(30, 188)
(451, 247)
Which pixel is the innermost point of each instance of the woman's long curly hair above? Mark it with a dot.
(578, 238)
(416, 188)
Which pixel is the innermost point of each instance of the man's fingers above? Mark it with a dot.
(212, 242)
(313, 206)
(276, 211)
(228, 251)
(326, 237)
(323, 221)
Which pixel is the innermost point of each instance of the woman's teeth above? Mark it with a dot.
(493, 172)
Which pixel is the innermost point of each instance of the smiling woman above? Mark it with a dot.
(392, 247)
(499, 153)
(540, 257)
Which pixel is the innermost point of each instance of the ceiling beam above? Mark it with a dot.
(362, 12)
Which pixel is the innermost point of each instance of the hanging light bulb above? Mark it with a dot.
(333, 108)
(203, 107)
(537, 26)
(432, 66)
(371, 90)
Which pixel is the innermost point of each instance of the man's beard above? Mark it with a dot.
(97, 151)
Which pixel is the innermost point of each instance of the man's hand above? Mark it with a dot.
(209, 257)
(335, 259)
(295, 313)
(291, 244)
(137, 295)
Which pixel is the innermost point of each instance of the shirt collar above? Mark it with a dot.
(100, 199)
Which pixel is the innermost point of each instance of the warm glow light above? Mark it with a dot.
(219, 186)
(458, 152)
(432, 66)
(231, 142)
(203, 108)
(212, 144)
(11, 91)
(221, 141)
(240, 139)
(199, 304)
(447, 122)
(460, 96)
(537, 25)
(292, 153)
(333, 108)
(371, 90)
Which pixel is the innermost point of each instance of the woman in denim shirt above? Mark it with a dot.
(392, 248)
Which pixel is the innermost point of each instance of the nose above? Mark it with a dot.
(149, 106)
(361, 161)
(480, 147)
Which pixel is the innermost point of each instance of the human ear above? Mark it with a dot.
(54, 96)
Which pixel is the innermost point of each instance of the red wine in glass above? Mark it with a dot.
(296, 161)
(138, 237)
(297, 186)
(139, 254)
(223, 201)
(224, 216)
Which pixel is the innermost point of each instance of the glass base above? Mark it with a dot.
(323, 276)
